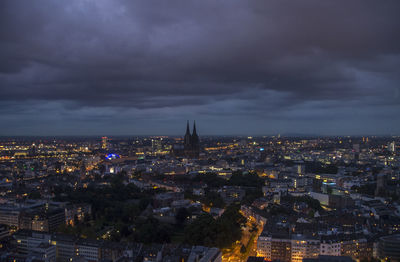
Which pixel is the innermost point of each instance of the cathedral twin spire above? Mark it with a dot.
(191, 141)
(188, 129)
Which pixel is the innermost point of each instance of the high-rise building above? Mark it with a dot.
(392, 147)
(156, 145)
(104, 142)
(301, 170)
(380, 183)
(388, 248)
(356, 148)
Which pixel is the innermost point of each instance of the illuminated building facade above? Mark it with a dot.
(304, 248)
(392, 147)
(330, 248)
(274, 247)
(104, 142)
(157, 145)
(285, 247)
(356, 248)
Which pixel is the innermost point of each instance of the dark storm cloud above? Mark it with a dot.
(81, 60)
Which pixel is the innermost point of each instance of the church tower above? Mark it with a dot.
(188, 137)
(191, 142)
(195, 138)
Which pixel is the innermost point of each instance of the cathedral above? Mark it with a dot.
(191, 142)
(190, 148)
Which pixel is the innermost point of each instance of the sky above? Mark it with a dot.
(112, 67)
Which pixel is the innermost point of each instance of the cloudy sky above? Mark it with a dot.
(110, 67)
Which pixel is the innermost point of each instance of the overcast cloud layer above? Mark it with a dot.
(94, 67)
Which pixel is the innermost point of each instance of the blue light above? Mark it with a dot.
(112, 156)
(262, 149)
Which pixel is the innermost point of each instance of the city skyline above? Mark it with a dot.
(240, 68)
(199, 131)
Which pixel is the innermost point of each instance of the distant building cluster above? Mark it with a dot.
(146, 198)
(41, 215)
(39, 246)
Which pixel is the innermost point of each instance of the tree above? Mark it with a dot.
(102, 169)
(249, 180)
(370, 259)
(211, 179)
(251, 195)
(213, 199)
(181, 215)
(35, 195)
(201, 231)
(221, 232)
(151, 230)
(76, 220)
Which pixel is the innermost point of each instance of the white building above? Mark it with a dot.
(88, 249)
(330, 248)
